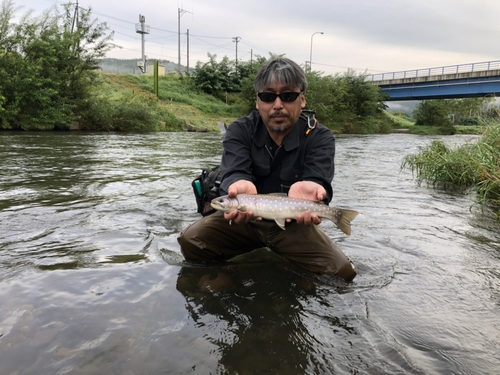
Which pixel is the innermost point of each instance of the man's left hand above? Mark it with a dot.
(311, 191)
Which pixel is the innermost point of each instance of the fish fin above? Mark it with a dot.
(343, 219)
(242, 208)
(280, 223)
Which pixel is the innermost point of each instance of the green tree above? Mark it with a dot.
(226, 77)
(432, 113)
(216, 78)
(466, 110)
(249, 71)
(345, 99)
(47, 68)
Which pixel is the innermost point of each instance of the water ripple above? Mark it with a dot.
(93, 281)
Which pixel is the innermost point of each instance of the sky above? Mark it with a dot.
(372, 36)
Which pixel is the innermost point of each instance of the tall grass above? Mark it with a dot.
(180, 89)
(469, 166)
(400, 119)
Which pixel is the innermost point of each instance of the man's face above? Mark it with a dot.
(280, 116)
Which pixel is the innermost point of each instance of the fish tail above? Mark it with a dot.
(342, 219)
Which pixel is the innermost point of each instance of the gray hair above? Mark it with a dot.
(281, 70)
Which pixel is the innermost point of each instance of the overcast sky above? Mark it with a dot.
(365, 35)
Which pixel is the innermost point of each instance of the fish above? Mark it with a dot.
(281, 207)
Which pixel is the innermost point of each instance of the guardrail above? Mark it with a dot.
(427, 72)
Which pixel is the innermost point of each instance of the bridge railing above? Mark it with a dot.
(427, 72)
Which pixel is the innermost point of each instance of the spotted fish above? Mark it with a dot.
(279, 208)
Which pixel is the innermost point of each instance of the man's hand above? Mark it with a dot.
(240, 187)
(311, 191)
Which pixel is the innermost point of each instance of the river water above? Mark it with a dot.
(92, 280)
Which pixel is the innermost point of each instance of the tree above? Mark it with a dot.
(219, 79)
(46, 69)
(465, 111)
(343, 99)
(432, 113)
(215, 78)
(248, 73)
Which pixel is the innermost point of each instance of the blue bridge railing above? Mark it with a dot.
(427, 72)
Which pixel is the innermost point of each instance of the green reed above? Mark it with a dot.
(470, 166)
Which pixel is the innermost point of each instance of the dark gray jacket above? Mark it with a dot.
(248, 150)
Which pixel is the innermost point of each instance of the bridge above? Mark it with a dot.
(452, 81)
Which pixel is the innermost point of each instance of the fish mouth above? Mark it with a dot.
(218, 203)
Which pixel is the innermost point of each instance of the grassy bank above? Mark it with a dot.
(126, 102)
(470, 166)
(401, 120)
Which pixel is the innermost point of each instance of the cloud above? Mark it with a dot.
(382, 35)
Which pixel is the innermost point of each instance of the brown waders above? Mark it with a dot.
(214, 239)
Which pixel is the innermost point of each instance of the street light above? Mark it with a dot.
(311, 54)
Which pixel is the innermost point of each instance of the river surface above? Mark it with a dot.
(92, 280)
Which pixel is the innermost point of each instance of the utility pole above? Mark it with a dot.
(236, 39)
(75, 18)
(187, 50)
(180, 13)
(142, 28)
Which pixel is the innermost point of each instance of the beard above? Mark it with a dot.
(281, 127)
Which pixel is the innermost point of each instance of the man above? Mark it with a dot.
(273, 150)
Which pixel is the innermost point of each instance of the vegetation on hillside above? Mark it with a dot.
(115, 104)
(178, 104)
(470, 166)
(400, 120)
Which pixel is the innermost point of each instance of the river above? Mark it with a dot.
(92, 280)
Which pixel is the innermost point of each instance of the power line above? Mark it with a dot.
(226, 46)
(160, 29)
(255, 47)
(223, 47)
(115, 18)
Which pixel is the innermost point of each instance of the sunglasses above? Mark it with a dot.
(285, 97)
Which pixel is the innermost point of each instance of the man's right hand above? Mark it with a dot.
(240, 187)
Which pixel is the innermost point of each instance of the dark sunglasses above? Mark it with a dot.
(285, 97)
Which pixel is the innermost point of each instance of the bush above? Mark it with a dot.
(121, 114)
(470, 121)
(47, 70)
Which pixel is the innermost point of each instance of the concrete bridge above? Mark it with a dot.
(453, 81)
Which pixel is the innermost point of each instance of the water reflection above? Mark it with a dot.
(254, 321)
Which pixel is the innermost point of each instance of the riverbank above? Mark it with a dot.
(182, 108)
